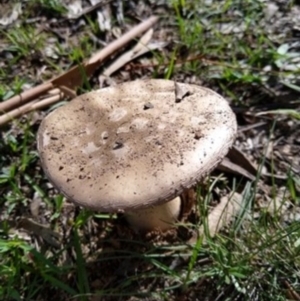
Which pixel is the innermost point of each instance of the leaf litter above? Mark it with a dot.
(280, 147)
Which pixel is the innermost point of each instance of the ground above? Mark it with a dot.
(249, 52)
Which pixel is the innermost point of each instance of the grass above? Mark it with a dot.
(82, 255)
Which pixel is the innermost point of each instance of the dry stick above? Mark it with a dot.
(143, 46)
(127, 56)
(54, 91)
(24, 97)
(74, 77)
(31, 106)
(75, 74)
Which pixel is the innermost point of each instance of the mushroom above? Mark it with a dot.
(135, 147)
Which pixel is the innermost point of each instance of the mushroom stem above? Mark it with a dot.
(156, 217)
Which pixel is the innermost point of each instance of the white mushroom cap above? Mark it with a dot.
(135, 145)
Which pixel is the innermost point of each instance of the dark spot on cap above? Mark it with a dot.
(148, 106)
(104, 135)
(198, 135)
(118, 145)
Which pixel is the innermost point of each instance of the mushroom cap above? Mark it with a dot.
(135, 145)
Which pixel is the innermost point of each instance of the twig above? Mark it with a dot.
(24, 97)
(31, 106)
(143, 46)
(74, 77)
(68, 91)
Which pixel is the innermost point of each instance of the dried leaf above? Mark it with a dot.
(238, 163)
(89, 9)
(37, 229)
(143, 42)
(277, 205)
(104, 16)
(227, 166)
(10, 15)
(221, 215)
(35, 204)
(74, 8)
(239, 158)
(120, 11)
